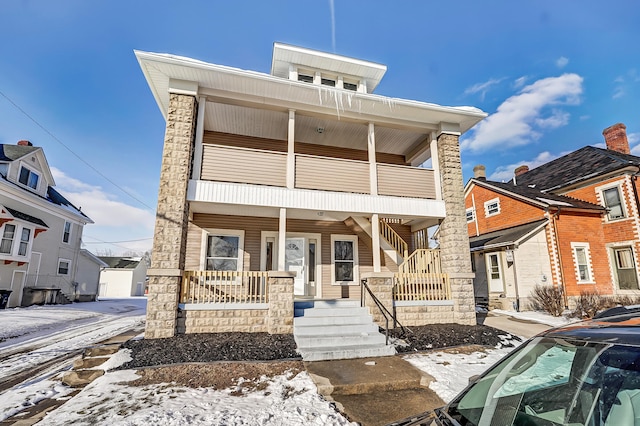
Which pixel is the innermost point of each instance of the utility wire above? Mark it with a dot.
(113, 242)
(76, 155)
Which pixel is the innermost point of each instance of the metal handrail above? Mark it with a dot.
(383, 309)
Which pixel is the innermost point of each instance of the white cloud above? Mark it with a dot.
(634, 143)
(519, 82)
(520, 119)
(482, 88)
(618, 93)
(505, 173)
(562, 62)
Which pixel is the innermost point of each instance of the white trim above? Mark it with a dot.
(488, 203)
(19, 225)
(400, 303)
(621, 195)
(20, 290)
(487, 265)
(31, 170)
(587, 254)
(198, 147)
(222, 306)
(473, 214)
(69, 270)
(70, 231)
(356, 260)
(225, 233)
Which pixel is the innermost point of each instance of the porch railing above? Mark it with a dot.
(392, 237)
(227, 287)
(420, 277)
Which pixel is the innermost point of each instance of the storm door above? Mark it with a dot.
(294, 258)
(494, 273)
(625, 268)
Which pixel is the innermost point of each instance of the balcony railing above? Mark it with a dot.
(262, 167)
(228, 287)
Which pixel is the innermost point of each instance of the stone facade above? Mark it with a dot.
(410, 316)
(380, 284)
(280, 320)
(172, 217)
(453, 237)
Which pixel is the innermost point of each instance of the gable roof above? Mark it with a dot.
(577, 166)
(120, 262)
(536, 196)
(505, 237)
(14, 152)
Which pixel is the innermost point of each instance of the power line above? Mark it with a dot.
(71, 151)
(113, 242)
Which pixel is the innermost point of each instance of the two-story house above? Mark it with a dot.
(586, 240)
(298, 185)
(41, 260)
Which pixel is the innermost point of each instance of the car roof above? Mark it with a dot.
(621, 326)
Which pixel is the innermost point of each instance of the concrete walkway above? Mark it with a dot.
(515, 326)
(374, 391)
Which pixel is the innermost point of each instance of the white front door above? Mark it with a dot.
(494, 273)
(294, 260)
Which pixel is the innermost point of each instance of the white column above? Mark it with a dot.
(291, 153)
(375, 239)
(435, 164)
(197, 149)
(282, 238)
(373, 171)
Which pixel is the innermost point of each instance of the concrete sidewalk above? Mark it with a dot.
(374, 391)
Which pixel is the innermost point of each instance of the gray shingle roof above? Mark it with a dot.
(19, 215)
(504, 237)
(13, 152)
(119, 262)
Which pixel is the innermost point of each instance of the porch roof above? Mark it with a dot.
(505, 237)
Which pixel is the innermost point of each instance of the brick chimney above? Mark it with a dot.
(479, 172)
(521, 170)
(616, 138)
(24, 143)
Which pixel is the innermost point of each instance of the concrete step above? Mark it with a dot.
(364, 351)
(341, 303)
(312, 321)
(339, 340)
(335, 329)
(327, 312)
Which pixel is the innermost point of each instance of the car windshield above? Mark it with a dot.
(553, 381)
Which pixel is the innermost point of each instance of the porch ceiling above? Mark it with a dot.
(273, 124)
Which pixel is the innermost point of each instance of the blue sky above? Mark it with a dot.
(550, 74)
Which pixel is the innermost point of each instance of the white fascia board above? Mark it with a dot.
(86, 253)
(33, 200)
(364, 106)
(304, 199)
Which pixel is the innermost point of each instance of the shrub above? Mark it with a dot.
(588, 305)
(548, 299)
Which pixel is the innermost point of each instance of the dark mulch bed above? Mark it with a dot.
(267, 347)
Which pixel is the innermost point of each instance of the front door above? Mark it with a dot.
(494, 273)
(625, 268)
(294, 259)
(17, 282)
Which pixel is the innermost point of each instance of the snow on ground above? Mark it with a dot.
(536, 316)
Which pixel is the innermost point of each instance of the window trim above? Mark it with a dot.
(473, 215)
(223, 233)
(623, 207)
(575, 246)
(64, 227)
(60, 260)
(16, 241)
(490, 202)
(3, 229)
(31, 172)
(356, 269)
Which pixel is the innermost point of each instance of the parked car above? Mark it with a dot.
(585, 373)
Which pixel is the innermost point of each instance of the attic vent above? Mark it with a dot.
(328, 82)
(350, 86)
(305, 78)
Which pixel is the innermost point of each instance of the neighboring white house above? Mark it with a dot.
(123, 277)
(40, 233)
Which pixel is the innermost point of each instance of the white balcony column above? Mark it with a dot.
(282, 238)
(373, 168)
(435, 165)
(291, 152)
(198, 149)
(293, 72)
(375, 241)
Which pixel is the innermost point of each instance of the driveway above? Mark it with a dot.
(517, 327)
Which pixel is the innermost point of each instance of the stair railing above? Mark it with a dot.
(383, 309)
(395, 240)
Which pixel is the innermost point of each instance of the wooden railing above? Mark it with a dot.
(421, 239)
(225, 287)
(420, 277)
(392, 237)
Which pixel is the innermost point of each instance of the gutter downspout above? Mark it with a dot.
(515, 278)
(555, 231)
(475, 216)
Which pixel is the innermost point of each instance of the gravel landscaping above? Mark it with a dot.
(192, 348)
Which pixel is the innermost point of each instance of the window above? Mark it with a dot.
(223, 252)
(305, 78)
(613, 203)
(63, 266)
(582, 262)
(328, 82)
(28, 178)
(470, 216)
(492, 207)
(344, 252)
(24, 241)
(7, 238)
(66, 232)
(350, 86)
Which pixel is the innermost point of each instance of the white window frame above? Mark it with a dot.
(224, 233)
(27, 249)
(64, 227)
(471, 215)
(356, 272)
(16, 241)
(623, 207)
(31, 172)
(575, 246)
(489, 203)
(13, 238)
(60, 260)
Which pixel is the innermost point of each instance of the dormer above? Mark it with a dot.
(325, 69)
(26, 166)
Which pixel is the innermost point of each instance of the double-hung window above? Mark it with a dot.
(582, 260)
(613, 203)
(28, 178)
(64, 265)
(470, 215)
(66, 232)
(8, 235)
(25, 235)
(492, 207)
(223, 252)
(344, 253)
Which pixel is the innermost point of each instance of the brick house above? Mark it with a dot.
(582, 236)
(281, 190)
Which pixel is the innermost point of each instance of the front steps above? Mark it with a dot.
(337, 329)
